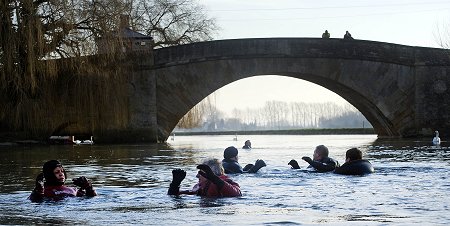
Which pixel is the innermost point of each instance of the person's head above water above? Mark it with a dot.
(320, 152)
(248, 144)
(353, 154)
(230, 152)
(54, 173)
(215, 165)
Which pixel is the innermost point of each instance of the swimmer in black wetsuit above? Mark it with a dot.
(231, 165)
(321, 162)
(354, 164)
(247, 145)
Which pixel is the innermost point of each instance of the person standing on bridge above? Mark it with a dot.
(320, 162)
(348, 36)
(326, 35)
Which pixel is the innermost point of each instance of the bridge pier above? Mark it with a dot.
(432, 97)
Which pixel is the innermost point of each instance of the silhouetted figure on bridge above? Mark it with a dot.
(326, 35)
(348, 36)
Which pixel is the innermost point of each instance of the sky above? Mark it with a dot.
(409, 22)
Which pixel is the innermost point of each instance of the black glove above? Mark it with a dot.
(37, 194)
(207, 173)
(39, 186)
(178, 175)
(254, 168)
(307, 159)
(82, 182)
(294, 164)
(260, 163)
(248, 167)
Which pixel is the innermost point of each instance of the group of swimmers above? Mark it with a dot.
(212, 178)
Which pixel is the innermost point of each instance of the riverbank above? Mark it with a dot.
(343, 131)
(18, 139)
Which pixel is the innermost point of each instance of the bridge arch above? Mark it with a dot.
(373, 86)
(371, 112)
(401, 90)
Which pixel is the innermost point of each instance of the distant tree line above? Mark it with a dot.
(276, 115)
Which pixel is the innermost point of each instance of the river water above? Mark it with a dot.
(410, 186)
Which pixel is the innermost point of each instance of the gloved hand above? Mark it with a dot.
(307, 159)
(294, 164)
(260, 163)
(82, 182)
(178, 175)
(37, 194)
(207, 173)
(39, 186)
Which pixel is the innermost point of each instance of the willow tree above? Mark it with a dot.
(33, 32)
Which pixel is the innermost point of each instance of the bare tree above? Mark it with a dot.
(442, 35)
(173, 22)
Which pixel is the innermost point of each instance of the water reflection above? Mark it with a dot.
(409, 187)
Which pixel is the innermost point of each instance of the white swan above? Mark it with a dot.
(436, 139)
(78, 142)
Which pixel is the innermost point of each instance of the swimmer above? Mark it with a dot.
(54, 189)
(247, 145)
(212, 182)
(354, 164)
(231, 165)
(321, 162)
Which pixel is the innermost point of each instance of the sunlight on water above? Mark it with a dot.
(410, 185)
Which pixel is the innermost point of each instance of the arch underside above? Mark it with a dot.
(374, 88)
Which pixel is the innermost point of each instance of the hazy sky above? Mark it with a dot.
(413, 23)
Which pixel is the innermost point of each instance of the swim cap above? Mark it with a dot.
(230, 152)
(50, 178)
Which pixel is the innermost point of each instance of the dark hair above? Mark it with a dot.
(50, 178)
(323, 150)
(230, 152)
(353, 154)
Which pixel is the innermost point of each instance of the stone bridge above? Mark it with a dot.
(401, 90)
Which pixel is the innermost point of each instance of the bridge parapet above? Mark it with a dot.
(301, 48)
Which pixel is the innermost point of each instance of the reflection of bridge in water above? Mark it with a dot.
(401, 90)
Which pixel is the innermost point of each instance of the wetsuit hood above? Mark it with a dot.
(230, 152)
(50, 178)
